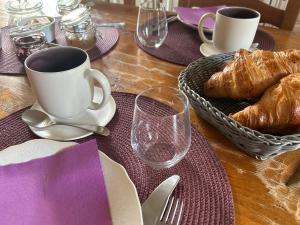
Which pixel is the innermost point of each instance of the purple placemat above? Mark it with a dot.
(10, 65)
(204, 185)
(66, 188)
(182, 44)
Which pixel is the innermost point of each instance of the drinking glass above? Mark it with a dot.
(152, 26)
(161, 130)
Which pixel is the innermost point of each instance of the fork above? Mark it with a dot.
(171, 215)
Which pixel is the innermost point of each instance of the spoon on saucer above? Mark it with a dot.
(39, 119)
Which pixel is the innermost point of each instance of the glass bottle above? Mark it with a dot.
(79, 29)
(20, 9)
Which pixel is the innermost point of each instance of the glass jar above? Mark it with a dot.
(26, 45)
(66, 6)
(20, 9)
(79, 29)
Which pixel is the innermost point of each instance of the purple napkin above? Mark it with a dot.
(64, 189)
(193, 15)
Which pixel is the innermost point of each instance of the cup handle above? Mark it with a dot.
(105, 85)
(200, 27)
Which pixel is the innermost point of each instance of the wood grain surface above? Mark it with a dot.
(259, 190)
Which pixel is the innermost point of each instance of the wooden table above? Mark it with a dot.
(259, 192)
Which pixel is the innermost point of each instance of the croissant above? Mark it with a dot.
(250, 74)
(278, 110)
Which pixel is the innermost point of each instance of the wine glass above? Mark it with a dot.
(152, 26)
(161, 130)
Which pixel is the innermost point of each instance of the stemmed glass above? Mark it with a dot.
(161, 130)
(152, 26)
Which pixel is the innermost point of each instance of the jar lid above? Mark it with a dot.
(76, 16)
(22, 7)
(67, 5)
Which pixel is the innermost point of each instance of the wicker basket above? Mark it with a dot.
(216, 111)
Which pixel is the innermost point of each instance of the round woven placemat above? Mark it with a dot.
(182, 44)
(204, 187)
(10, 65)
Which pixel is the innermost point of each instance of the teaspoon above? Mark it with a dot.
(120, 25)
(39, 119)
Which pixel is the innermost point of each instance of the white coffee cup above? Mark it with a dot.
(63, 81)
(235, 28)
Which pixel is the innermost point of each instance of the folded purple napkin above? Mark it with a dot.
(63, 189)
(193, 15)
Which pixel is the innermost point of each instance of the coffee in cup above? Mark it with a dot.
(235, 28)
(63, 81)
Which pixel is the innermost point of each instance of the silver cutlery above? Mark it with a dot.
(169, 20)
(39, 119)
(254, 47)
(120, 25)
(172, 214)
(172, 19)
(156, 203)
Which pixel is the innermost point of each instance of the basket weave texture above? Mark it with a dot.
(216, 111)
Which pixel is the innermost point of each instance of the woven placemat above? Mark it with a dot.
(10, 65)
(204, 186)
(182, 43)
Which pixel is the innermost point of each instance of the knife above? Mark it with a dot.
(294, 178)
(169, 20)
(156, 203)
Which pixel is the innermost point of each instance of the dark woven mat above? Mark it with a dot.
(204, 186)
(182, 44)
(9, 63)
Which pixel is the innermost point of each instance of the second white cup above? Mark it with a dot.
(235, 28)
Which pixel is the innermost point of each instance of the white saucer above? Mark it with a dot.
(90, 117)
(208, 49)
(120, 189)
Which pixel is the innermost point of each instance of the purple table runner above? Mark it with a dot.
(204, 186)
(66, 188)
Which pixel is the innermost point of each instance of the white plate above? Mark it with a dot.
(90, 117)
(122, 195)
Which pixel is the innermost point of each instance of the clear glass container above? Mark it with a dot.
(66, 6)
(161, 130)
(26, 45)
(79, 29)
(152, 26)
(20, 9)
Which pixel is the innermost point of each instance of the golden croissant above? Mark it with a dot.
(278, 110)
(250, 74)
